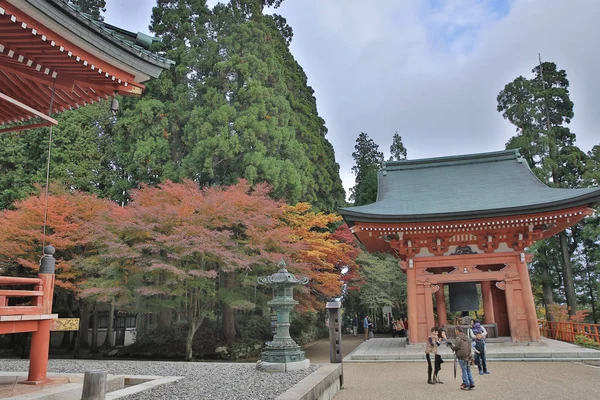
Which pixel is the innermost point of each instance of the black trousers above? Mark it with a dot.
(438, 364)
(429, 366)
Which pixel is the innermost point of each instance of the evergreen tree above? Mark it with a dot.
(367, 161)
(540, 108)
(397, 149)
(92, 7)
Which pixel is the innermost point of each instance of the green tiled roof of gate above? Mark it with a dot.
(467, 186)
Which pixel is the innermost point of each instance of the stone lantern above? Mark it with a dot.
(282, 353)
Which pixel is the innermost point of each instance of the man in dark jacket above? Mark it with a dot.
(462, 349)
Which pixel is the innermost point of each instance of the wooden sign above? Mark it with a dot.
(65, 324)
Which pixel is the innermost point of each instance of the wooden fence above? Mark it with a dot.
(567, 331)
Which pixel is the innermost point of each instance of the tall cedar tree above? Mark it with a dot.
(367, 161)
(540, 108)
(397, 150)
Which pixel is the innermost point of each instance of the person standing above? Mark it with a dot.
(371, 329)
(462, 350)
(355, 325)
(398, 327)
(479, 349)
(442, 339)
(366, 327)
(431, 348)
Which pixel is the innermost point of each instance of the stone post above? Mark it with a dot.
(335, 332)
(94, 385)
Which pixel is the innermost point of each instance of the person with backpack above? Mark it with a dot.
(475, 329)
(462, 351)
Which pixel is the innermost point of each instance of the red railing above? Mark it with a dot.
(36, 296)
(567, 331)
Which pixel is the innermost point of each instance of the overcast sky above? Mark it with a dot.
(429, 69)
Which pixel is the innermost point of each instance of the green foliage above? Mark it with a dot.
(92, 7)
(540, 108)
(367, 161)
(307, 327)
(584, 341)
(397, 149)
(385, 282)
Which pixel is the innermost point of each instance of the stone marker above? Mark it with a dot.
(94, 385)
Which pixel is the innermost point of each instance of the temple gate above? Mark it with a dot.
(467, 219)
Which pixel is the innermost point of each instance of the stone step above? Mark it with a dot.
(534, 356)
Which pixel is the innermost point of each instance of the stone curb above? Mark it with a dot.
(322, 384)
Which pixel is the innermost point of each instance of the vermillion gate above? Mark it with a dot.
(467, 219)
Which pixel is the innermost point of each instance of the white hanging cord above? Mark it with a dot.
(48, 168)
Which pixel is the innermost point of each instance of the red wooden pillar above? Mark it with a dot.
(411, 299)
(440, 303)
(429, 306)
(40, 339)
(528, 302)
(488, 302)
(511, 310)
(38, 353)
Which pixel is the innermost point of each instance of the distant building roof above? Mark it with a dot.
(461, 187)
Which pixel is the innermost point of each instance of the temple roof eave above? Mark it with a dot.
(590, 199)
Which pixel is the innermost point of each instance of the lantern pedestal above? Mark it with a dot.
(282, 367)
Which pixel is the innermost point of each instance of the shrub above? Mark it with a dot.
(588, 342)
(307, 327)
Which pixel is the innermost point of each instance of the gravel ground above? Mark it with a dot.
(201, 380)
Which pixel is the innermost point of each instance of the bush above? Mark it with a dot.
(307, 327)
(588, 342)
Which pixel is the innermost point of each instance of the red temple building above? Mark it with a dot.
(467, 219)
(54, 58)
(50, 53)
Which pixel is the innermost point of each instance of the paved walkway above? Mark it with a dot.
(390, 349)
(508, 379)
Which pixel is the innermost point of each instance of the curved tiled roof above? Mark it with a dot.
(128, 40)
(468, 186)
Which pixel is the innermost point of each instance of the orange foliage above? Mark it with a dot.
(561, 314)
(70, 228)
(325, 254)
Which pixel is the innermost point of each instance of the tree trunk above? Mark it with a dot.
(189, 339)
(591, 289)
(568, 274)
(66, 339)
(85, 324)
(94, 344)
(547, 289)
(228, 322)
(109, 340)
(165, 319)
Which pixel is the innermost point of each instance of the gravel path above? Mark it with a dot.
(221, 381)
